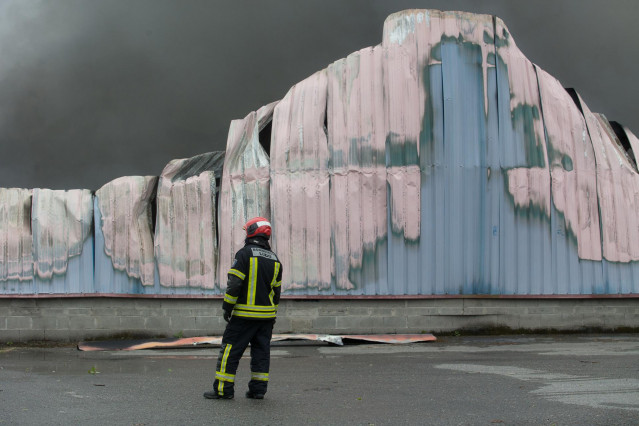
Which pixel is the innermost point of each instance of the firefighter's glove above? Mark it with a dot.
(227, 316)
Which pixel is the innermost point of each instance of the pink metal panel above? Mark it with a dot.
(524, 250)
(16, 258)
(404, 109)
(126, 225)
(185, 236)
(62, 222)
(245, 189)
(529, 186)
(618, 191)
(572, 166)
(300, 185)
(357, 135)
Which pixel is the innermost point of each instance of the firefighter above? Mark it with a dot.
(250, 306)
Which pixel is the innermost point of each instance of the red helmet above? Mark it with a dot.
(258, 227)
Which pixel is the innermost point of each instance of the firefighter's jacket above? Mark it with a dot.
(254, 282)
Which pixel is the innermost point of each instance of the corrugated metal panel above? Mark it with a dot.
(519, 176)
(490, 170)
(618, 193)
(185, 234)
(16, 252)
(356, 139)
(437, 77)
(300, 185)
(465, 130)
(404, 105)
(245, 190)
(575, 213)
(124, 258)
(62, 241)
(618, 185)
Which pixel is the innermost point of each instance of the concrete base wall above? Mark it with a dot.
(70, 319)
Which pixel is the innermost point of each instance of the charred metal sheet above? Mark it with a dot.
(185, 234)
(124, 234)
(245, 190)
(16, 254)
(300, 185)
(133, 345)
(62, 224)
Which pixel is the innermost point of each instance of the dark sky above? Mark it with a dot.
(94, 90)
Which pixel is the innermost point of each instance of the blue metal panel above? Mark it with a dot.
(434, 258)
(465, 141)
(78, 278)
(619, 278)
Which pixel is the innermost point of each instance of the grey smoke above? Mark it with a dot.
(94, 90)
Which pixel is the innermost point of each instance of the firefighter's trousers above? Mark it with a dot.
(237, 336)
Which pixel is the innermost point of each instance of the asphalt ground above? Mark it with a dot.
(506, 380)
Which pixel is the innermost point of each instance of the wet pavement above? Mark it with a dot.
(516, 380)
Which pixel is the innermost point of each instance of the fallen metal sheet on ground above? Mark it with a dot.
(132, 345)
(390, 338)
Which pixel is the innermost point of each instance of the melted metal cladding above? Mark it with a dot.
(16, 255)
(245, 184)
(126, 225)
(572, 166)
(300, 185)
(185, 234)
(522, 144)
(62, 222)
(618, 192)
(440, 162)
(491, 184)
(356, 139)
